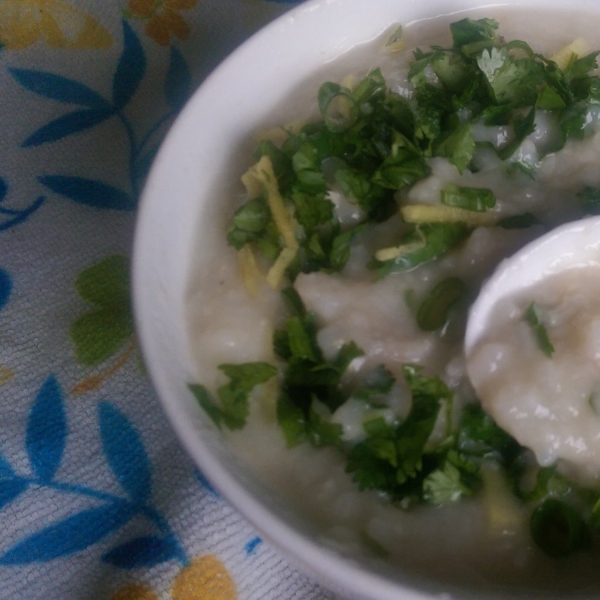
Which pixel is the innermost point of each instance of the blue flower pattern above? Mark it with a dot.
(45, 440)
(92, 110)
(102, 516)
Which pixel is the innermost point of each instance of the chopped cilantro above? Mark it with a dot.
(511, 81)
(549, 483)
(232, 411)
(458, 147)
(402, 167)
(550, 99)
(292, 420)
(372, 145)
(523, 126)
(391, 457)
(444, 485)
(579, 68)
(468, 31)
(480, 437)
(309, 378)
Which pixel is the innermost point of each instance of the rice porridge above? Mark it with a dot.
(328, 319)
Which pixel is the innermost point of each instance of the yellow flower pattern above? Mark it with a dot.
(24, 22)
(205, 578)
(162, 18)
(135, 591)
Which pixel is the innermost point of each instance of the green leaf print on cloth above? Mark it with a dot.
(103, 331)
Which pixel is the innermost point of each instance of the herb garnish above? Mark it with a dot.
(539, 330)
(380, 144)
(372, 145)
(233, 408)
(433, 311)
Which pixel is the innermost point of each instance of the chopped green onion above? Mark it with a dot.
(338, 107)
(590, 200)
(395, 37)
(433, 312)
(475, 199)
(558, 529)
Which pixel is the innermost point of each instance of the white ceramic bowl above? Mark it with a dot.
(179, 201)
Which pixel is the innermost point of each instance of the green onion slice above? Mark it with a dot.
(338, 107)
(433, 312)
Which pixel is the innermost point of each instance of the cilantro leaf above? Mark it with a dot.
(309, 377)
(523, 126)
(371, 197)
(579, 68)
(574, 120)
(444, 485)
(232, 411)
(452, 70)
(403, 167)
(458, 147)
(373, 462)
(312, 210)
(206, 401)
(479, 436)
(497, 115)
(413, 433)
(307, 167)
(321, 432)
(424, 385)
(291, 419)
(302, 340)
(391, 457)
(511, 81)
(549, 99)
(305, 426)
(549, 483)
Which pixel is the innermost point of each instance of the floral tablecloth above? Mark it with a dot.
(97, 499)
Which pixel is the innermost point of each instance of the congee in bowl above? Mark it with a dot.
(329, 328)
